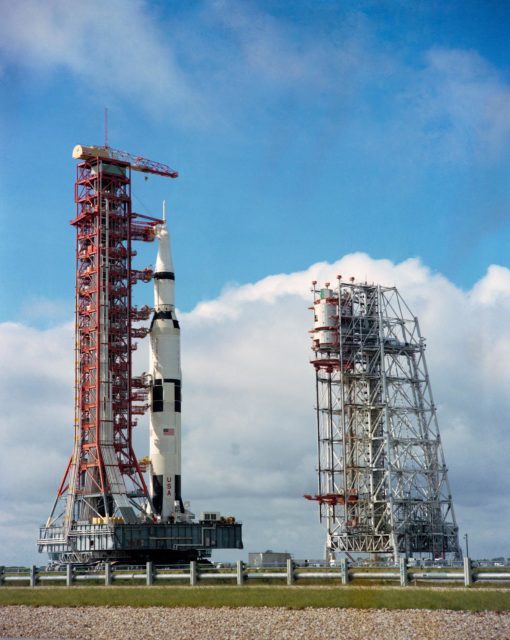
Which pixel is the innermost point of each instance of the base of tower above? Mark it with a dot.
(418, 539)
(138, 543)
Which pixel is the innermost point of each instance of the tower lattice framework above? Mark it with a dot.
(104, 481)
(103, 511)
(383, 483)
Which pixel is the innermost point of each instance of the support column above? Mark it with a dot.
(468, 573)
(404, 581)
(290, 571)
(149, 574)
(240, 574)
(344, 571)
(33, 575)
(193, 573)
(107, 574)
(69, 575)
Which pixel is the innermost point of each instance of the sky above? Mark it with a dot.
(368, 138)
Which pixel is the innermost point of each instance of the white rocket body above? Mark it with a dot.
(165, 409)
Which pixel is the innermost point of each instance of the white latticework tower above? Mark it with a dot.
(383, 484)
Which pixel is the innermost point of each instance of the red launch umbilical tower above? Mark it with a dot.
(103, 510)
(103, 481)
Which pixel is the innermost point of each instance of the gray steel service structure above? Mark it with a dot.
(383, 483)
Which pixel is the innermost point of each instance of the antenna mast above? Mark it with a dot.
(106, 127)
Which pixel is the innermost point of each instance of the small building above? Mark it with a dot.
(268, 558)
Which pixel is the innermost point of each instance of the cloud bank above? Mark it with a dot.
(249, 433)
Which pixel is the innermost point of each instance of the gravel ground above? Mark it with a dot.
(128, 623)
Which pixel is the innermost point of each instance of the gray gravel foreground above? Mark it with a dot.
(129, 623)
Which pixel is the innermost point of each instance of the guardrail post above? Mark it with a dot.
(290, 571)
(240, 574)
(468, 574)
(33, 575)
(2, 573)
(149, 574)
(107, 574)
(344, 571)
(193, 573)
(69, 575)
(404, 578)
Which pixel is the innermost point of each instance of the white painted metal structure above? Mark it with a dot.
(383, 485)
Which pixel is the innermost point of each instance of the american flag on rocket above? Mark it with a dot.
(169, 432)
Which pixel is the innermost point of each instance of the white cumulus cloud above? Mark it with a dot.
(114, 45)
(249, 432)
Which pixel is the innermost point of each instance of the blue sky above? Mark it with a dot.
(304, 133)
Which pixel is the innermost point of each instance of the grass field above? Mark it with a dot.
(256, 596)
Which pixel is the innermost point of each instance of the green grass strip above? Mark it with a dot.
(250, 596)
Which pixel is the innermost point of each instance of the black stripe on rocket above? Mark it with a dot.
(165, 315)
(158, 398)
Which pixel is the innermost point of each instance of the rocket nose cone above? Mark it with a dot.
(164, 259)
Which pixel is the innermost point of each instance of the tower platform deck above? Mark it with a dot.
(135, 543)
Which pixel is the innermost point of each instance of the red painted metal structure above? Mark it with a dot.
(103, 510)
(139, 163)
(104, 480)
(333, 498)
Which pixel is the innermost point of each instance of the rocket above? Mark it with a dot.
(165, 393)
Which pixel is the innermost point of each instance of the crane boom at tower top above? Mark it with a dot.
(137, 163)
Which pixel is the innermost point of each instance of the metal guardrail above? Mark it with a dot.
(242, 574)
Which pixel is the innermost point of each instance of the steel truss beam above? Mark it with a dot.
(103, 481)
(382, 479)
